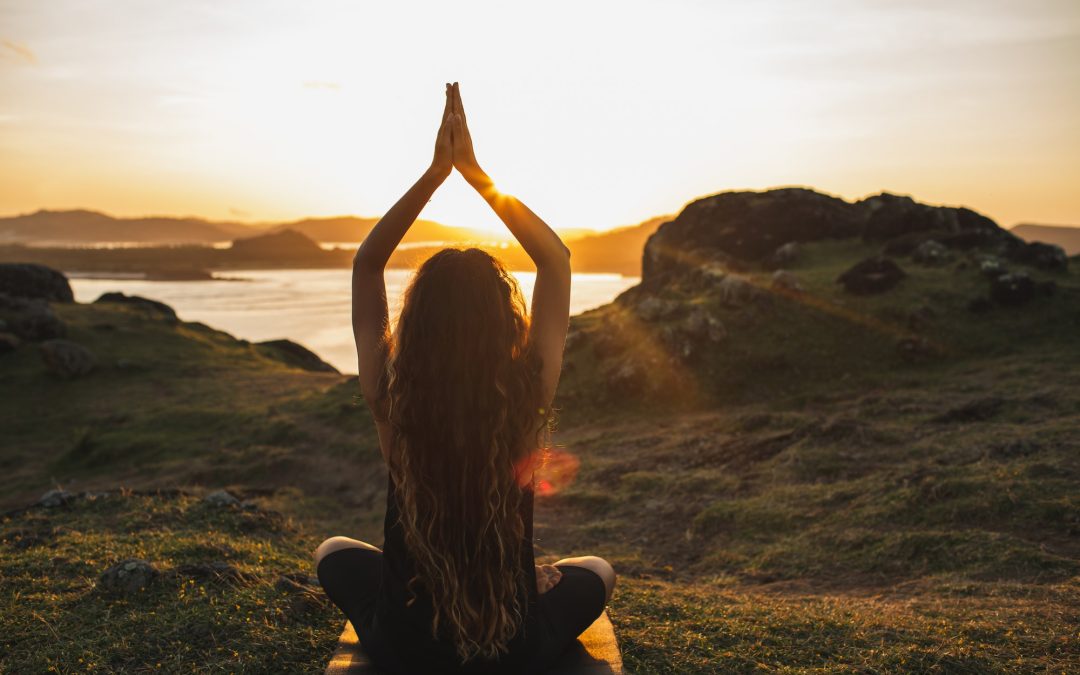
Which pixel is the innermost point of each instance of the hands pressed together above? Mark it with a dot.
(547, 577)
(453, 144)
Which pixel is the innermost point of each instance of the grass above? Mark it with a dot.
(830, 508)
(58, 619)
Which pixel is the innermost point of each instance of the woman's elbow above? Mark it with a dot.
(363, 261)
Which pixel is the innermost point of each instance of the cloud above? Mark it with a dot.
(19, 52)
(315, 84)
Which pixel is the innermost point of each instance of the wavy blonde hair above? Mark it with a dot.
(463, 400)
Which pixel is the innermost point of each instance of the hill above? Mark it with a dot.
(1065, 236)
(90, 227)
(85, 227)
(789, 472)
(617, 250)
(353, 229)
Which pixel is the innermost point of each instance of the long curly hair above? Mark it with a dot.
(463, 400)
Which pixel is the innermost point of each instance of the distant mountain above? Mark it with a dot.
(353, 228)
(617, 250)
(89, 227)
(1065, 236)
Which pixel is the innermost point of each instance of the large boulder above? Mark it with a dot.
(67, 359)
(734, 229)
(873, 275)
(147, 305)
(27, 280)
(931, 252)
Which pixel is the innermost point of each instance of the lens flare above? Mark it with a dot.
(550, 470)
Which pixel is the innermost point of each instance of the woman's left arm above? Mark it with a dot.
(370, 317)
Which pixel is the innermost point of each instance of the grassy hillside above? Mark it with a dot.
(799, 495)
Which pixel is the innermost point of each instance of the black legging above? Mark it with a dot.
(351, 579)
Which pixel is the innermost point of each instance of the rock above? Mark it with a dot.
(873, 275)
(702, 324)
(296, 355)
(26, 280)
(149, 306)
(931, 252)
(36, 321)
(1037, 254)
(735, 290)
(8, 343)
(991, 267)
(54, 498)
(786, 281)
(221, 498)
(785, 255)
(652, 308)
(67, 359)
(128, 576)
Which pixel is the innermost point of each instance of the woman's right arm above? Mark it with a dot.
(551, 293)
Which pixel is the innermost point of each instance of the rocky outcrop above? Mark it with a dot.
(747, 226)
(732, 230)
(25, 280)
(886, 216)
(152, 307)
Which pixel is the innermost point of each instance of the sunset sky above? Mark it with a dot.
(596, 114)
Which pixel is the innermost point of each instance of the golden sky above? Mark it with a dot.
(596, 114)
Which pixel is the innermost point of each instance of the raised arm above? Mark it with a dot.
(551, 293)
(370, 318)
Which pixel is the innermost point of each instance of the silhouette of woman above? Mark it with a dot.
(461, 396)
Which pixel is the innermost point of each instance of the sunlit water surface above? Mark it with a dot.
(308, 306)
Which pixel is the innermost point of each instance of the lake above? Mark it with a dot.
(311, 307)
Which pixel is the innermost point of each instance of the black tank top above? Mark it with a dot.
(406, 629)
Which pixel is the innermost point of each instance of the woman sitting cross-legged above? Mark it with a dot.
(461, 394)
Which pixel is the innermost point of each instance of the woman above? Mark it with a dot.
(461, 394)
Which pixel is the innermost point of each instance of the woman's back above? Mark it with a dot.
(406, 623)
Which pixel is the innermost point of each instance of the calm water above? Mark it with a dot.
(308, 306)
